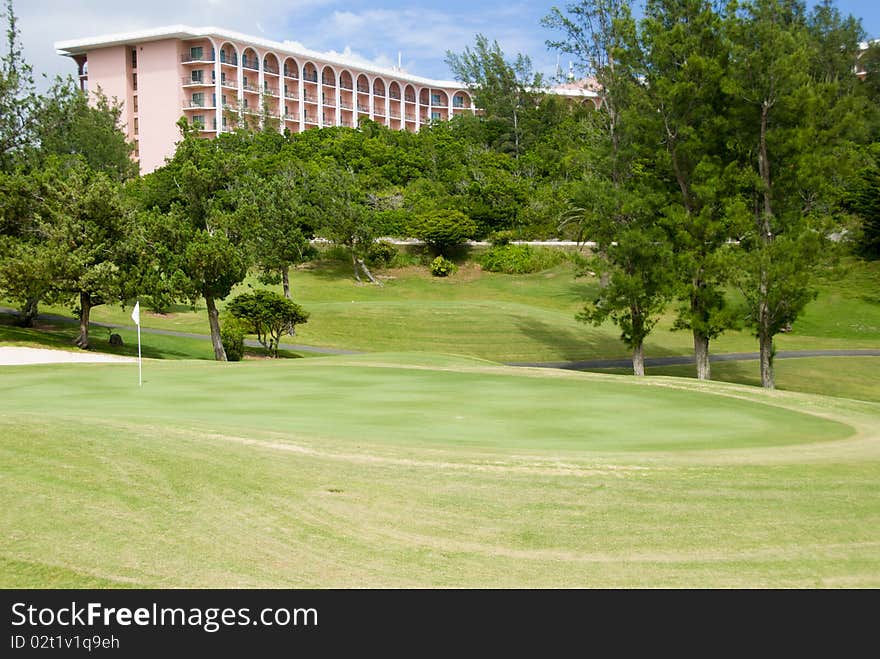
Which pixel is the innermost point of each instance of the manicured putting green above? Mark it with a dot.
(427, 471)
(413, 401)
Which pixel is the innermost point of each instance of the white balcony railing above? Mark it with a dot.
(189, 59)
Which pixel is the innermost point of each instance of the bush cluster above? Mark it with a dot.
(232, 334)
(443, 229)
(442, 267)
(382, 254)
(514, 259)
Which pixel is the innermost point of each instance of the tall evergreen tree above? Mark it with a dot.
(796, 123)
(504, 90)
(198, 248)
(685, 61)
(18, 99)
(620, 196)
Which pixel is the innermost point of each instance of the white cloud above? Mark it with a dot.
(421, 31)
(43, 22)
(424, 35)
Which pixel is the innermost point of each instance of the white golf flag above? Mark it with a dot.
(136, 317)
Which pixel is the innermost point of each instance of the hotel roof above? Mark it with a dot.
(81, 46)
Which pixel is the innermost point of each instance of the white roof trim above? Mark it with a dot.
(80, 46)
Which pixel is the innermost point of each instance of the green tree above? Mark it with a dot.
(685, 62)
(67, 123)
(194, 242)
(283, 222)
(345, 216)
(794, 143)
(268, 315)
(504, 90)
(27, 259)
(443, 229)
(86, 227)
(18, 99)
(617, 202)
(65, 128)
(863, 199)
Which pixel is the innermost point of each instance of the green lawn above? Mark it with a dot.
(517, 317)
(846, 377)
(418, 470)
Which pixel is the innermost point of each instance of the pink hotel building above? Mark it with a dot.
(203, 73)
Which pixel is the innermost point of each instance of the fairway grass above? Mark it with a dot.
(388, 470)
(509, 318)
(844, 377)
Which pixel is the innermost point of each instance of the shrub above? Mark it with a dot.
(405, 259)
(381, 254)
(520, 259)
(501, 238)
(161, 302)
(268, 315)
(232, 335)
(443, 229)
(334, 252)
(442, 267)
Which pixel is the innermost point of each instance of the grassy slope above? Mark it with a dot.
(519, 318)
(404, 471)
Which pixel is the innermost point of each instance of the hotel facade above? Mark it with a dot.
(212, 76)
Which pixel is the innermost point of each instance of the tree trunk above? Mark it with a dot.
(515, 135)
(29, 312)
(765, 338)
(354, 265)
(701, 355)
(85, 309)
(214, 322)
(367, 272)
(767, 379)
(764, 170)
(285, 280)
(639, 359)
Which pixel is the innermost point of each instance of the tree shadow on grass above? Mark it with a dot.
(568, 344)
(591, 344)
(325, 269)
(53, 335)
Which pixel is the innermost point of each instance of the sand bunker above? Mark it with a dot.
(15, 355)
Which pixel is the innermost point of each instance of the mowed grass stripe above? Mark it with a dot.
(148, 508)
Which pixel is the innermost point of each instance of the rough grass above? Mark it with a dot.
(393, 470)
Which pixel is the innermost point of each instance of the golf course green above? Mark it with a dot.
(387, 470)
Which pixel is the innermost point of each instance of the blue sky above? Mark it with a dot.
(376, 30)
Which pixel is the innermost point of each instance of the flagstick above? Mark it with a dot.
(140, 361)
(136, 317)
